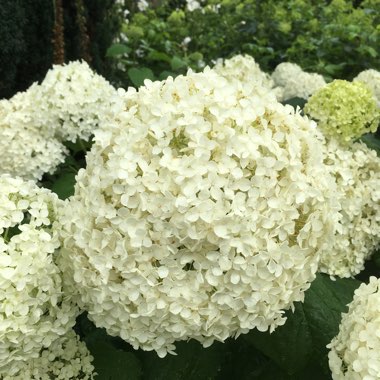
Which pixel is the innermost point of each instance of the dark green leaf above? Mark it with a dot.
(300, 102)
(158, 56)
(117, 49)
(137, 76)
(177, 63)
(166, 74)
(113, 364)
(324, 304)
(372, 142)
(290, 346)
(110, 362)
(192, 362)
(302, 341)
(64, 184)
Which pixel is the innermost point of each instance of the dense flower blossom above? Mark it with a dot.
(192, 5)
(71, 103)
(24, 150)
(355, 351)
(344, 110)
(142, 5)
(357, 172)
(74, 101)
(200, 214)
(67, 358)
(372, 79)
(33, 310)
(244, 68)
(295, 82)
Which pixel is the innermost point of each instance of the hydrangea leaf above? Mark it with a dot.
(137, 76)
(192, 362)
(325, 301)
(310, 328)
(372, 142)
(64, 184)
(117, 49)
(113, 364)
(290, 346)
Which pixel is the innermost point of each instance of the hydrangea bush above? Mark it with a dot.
(67, 358)
(372, 79)
(357, 172)
(201, 213)
(70, 103)
(296, 83)
(34, 309)
(355, 351)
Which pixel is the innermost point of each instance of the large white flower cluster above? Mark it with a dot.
(74, 101)
(70, 103)
(245, 69)
(372, 79)
(200, 214)
(66, 359)
(34, 312)
(24, 150)
(295, 82)
(355, 351)
(357, 172)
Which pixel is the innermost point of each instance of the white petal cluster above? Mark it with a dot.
(200, 214)
(24, 150)
(372, 79)
(142, 5)
(245, 69)
(295, 82)
(70, 104)
(355, 351)
(66, 359)
(357, 172)
(33, 310)
(75, 101)
(192, 5)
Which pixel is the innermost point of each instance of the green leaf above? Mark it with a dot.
(166, 74)
(158, 56)
(372, 142)
(192, 362)
(302, 341)
(110, 362)
(113, 364)
(177, 63)
(64, 185)
(324, 304)
(300, 102)
(137, 76)
(117, 49)
(290, 346)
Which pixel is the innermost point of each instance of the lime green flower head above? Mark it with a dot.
(344, 110)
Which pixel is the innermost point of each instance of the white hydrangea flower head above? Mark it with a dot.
(357, 172)
(34, 312)
(192, 5)
(372, 79)
(295, 82)
(76, 101)
(25, 151)
(200, 214)
(142, 5)
(71, 103)
(245, 68)
(66, 359)
(355, 351)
